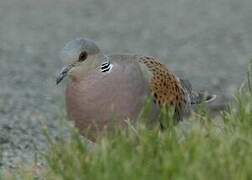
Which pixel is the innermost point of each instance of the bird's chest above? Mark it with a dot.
(107, 92)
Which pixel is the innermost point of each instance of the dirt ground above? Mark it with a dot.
(208, 42)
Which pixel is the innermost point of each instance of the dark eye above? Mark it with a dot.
(83, 56)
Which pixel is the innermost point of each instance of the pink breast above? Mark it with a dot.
(99, 100)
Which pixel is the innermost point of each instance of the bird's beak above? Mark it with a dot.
(62, 74)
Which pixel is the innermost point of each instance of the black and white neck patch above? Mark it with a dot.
(106, 66)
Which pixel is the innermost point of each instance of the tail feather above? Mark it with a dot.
(200, 97)
(197, 97)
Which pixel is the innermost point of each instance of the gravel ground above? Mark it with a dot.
(208, 42)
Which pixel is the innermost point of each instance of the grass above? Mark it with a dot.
(199, 148)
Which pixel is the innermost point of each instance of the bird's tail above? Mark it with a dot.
(200, 97)
(197, 97)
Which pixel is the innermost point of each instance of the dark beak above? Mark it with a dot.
(62, 74)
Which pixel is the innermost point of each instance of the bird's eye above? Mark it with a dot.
(83, 56)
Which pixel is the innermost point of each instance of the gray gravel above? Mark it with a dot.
(208, 42)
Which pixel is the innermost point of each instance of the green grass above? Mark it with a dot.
(199, 148)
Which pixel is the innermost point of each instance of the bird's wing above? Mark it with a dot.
(165, 87)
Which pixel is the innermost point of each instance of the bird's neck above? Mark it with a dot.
(94, 63)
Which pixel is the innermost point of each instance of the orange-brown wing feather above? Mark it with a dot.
(164, 85)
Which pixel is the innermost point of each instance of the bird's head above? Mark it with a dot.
(79, 56)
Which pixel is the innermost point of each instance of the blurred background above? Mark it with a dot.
(207, 42)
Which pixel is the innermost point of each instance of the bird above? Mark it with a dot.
(105, 89)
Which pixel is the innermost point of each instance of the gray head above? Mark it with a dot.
(79, 56)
